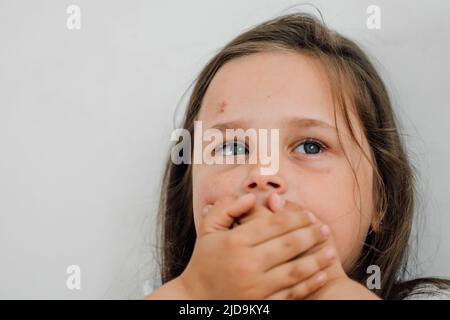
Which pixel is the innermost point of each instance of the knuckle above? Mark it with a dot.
(293, 294)
(308, 286)
(289, 294)
(295, 272)
(289, 241)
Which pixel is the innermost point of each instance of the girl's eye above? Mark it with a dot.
(310, 147)
(232, 149)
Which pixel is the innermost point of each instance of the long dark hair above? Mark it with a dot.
(351, 72)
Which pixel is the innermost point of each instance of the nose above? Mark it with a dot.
(264, 183)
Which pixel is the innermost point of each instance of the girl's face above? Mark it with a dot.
(290, 92)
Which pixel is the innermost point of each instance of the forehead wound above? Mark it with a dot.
(221, 106)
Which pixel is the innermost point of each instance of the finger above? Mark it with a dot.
(292, 273)
(303, 289)
(256, 212)
(288, 246)
(275, 202)
(268, 227)
(221, 215)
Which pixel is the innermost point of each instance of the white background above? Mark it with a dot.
(86, 116)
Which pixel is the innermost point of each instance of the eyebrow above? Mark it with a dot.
(309, 122)
(291, 123)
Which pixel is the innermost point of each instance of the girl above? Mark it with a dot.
(338, 210)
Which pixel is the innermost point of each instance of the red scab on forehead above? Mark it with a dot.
(221, 107)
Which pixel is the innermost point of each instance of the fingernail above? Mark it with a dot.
(279, 200)
(330, 254)
(321, 277)
(325, 230)
(312, 217)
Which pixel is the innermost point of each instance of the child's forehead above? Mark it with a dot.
(269, 83)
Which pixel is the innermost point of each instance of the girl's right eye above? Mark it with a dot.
(235, 148)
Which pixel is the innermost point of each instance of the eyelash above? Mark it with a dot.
(226, 143)
(322, 145)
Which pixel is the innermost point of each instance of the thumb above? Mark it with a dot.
(221, 215)
(276, 202)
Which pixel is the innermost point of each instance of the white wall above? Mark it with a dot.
(85, 119)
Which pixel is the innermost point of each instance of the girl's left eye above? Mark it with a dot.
(233, 149)
(310, 147)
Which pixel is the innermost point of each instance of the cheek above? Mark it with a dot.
(349, 232)
(211, 182)
(334, 198)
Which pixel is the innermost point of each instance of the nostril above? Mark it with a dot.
(273, 184)
(252, 185)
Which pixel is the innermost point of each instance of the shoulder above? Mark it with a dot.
(429, 292)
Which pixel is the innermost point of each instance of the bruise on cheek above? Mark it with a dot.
(221, 107)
